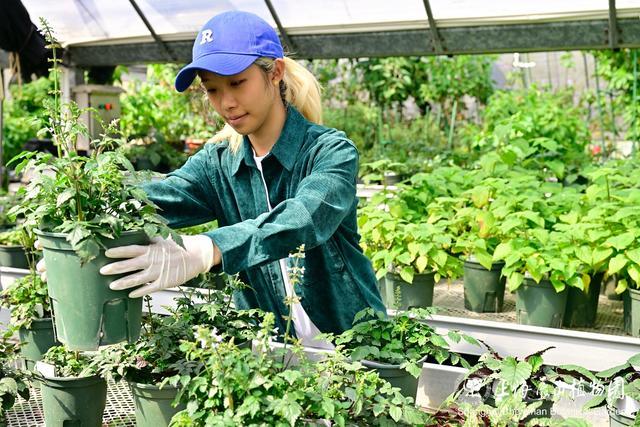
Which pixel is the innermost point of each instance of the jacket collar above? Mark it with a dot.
(286, 147)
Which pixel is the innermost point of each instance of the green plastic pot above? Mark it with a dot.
(396, 376)
(87, 314)
(153, 404)
(13, 256)
(538, 304)
(36, 340)
(73, 402)
(483, 289)
(632, 312)
(582, 307)
(416, 294)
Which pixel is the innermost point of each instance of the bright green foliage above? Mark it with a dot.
(24, 115)
(155, 107)
(69, 363)
(398, 235)
(28, 299)
(232, 386)
(538, 130)
(11, 237)
(90, 198)
(404, 339)
(616, 68)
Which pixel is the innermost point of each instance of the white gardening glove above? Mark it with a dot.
(40, 267)
(161, 264)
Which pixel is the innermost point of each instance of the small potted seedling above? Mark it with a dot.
(396, 347)
(72, 391)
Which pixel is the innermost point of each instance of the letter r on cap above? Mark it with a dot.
(206, 37)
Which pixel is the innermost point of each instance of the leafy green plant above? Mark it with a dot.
(495, 378)
(404, 339)
(28, 299)
(155, 356)
(538, 130)
(237, 386)
(13, 383)
(11, 237)
(7, 201)
(154, 107)
(88, 198)
(24, 115)
(617, 383)
(68, 363)
(153, 152)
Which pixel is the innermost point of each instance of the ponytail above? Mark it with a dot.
(298, 88)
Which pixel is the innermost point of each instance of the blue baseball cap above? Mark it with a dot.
(228, 44)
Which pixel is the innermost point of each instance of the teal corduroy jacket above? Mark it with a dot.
(311, 179)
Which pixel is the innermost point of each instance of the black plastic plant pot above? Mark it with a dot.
(36, 340)
(416, 294)
(13, 256)
(153, 404)
(87, 314)
(396, 376)
(73, 401)
(483, 289)
(538, 304)
(582, 307)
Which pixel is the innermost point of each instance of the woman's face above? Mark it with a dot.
(244, 100)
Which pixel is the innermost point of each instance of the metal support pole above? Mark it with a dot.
(600, 115)
(437, 43)
(157, 38)
(287, 41)
(613, 25)
(453, 124)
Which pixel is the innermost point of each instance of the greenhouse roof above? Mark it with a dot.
(114, 32)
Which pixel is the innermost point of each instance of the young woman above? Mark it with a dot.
(276, 180)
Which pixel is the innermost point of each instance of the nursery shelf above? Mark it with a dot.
(119, 411)
(596, 348)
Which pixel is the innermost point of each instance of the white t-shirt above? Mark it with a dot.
(306, 331)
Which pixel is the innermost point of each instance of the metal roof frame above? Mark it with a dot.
(548, 36)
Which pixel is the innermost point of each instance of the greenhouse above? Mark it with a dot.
(319, 213)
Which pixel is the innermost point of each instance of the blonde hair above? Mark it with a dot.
(298, 88)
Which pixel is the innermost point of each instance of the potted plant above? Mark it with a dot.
(396, 347)
(145, 365)
(264, 387)
(72, 391)
(473, 218)
(30, 316)
(13, 383)
(30, 306)
(619, 389)
(12, 253)
(88, 204)
(411, 256)
(540, 266)
(525, 386)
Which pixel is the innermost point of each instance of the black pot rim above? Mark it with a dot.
(475, 265)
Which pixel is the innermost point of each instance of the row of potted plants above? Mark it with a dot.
(509, 223)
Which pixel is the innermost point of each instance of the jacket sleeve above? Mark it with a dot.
(322, 200)
(186, 196)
